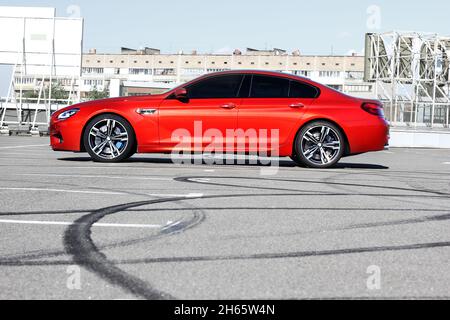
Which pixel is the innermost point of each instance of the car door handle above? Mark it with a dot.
(297, 105)
(228, 106)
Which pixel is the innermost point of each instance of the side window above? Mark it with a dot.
(244, 92)
(269, 87)
(303, 90)
(217, 87)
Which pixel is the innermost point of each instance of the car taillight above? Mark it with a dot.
(373, 108)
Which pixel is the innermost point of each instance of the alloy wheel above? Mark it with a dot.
(321, 145)
(108, 139)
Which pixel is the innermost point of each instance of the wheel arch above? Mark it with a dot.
(82, 146)
(347, 150)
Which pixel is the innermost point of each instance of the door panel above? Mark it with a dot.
(271, 114)
(196, 117)
(274, 103)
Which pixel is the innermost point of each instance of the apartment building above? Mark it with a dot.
(137, 72)
(147, 71)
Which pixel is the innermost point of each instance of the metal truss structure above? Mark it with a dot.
(44, 53)
(411, 75)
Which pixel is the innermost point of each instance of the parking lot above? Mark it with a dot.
(152, 229)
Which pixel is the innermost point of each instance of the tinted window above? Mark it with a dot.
(303, 90)
(216, 87)
(269, 87)
(244, 92)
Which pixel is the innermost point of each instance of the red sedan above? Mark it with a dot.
(235, 111)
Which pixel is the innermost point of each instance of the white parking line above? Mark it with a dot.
(446, 163)
(29, 146)
(62, 223)
(157, 195)
(91, 176)
(62, 190)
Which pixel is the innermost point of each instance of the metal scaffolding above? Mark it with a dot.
(44, 52)
(410, 71)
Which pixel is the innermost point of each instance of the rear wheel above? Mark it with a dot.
(109, 138)
(319, 144)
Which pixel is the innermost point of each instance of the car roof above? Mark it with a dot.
(252, 72)
(255, 71)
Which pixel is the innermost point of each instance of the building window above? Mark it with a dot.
(164, 72)
(24, 80)
(137, 71)
(93, 82)
(355, 75)
(210, 70)
(192, 71)
(329, 74)
(302, 73)
(93, 70)
(358, 88)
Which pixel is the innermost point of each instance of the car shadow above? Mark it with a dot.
(281, 163)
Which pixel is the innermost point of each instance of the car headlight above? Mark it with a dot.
(67, 114)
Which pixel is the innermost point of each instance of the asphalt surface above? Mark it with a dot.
(152, 229)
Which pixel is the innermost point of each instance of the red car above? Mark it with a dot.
(315, 125)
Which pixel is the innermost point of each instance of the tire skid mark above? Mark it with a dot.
(195, 179)
(263, 256)
(300, 254)
(79, 244)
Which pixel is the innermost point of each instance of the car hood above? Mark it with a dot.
(122, 99)
(111, 101)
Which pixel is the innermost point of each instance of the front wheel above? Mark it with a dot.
(319, 144)
(109, 138)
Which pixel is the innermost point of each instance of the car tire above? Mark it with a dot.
(319, 144)
(109, 138)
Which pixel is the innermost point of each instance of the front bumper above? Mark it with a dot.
(65, 135)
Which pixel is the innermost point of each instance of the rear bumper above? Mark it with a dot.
(367, 137)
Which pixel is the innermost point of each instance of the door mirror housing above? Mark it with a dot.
(181, 94)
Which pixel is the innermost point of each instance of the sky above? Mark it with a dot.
(313, 27)
(210, 26)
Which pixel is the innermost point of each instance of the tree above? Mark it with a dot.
(95, 94)
(58, 93)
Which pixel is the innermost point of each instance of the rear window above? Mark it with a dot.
(269, 87)
(303, 90)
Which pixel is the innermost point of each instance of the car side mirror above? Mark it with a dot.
(181, 94)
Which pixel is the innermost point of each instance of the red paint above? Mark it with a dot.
(364, 129)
